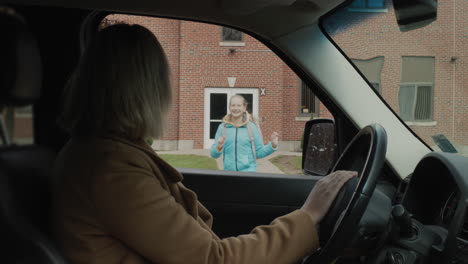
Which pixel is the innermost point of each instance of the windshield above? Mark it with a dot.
(421, 73)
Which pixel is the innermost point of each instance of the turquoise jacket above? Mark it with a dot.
(237, 151)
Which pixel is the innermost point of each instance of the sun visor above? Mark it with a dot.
(247, 7)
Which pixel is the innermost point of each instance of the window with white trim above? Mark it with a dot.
(230, 34)
(16, 125)
(371, 69)
(415, 97)
(309, 104)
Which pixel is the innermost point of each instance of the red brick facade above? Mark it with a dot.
(199, 61)
(445, 40)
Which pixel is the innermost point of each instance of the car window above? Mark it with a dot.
(17, 125)
(211, 63)
(420, 73)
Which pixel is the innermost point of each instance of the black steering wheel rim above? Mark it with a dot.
(365, 154)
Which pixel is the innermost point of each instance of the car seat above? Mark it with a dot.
(25, 171)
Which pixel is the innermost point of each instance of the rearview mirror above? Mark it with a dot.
(319, 147)
(414, 14)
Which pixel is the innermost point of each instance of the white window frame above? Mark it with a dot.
(416, 85)
(315, 111)
(232, 43)
(373, 82)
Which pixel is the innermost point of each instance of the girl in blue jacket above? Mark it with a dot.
(239, 139)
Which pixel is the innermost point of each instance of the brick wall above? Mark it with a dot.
(204, 64)
(443, 39)
(198, 61)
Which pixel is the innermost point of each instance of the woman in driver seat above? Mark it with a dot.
(117, 201)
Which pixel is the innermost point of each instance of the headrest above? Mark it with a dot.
(20, 63)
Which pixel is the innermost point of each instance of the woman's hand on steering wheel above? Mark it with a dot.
(340, 218)
(324, 192)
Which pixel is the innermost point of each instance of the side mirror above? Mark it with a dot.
(414, 14)
(319, 147)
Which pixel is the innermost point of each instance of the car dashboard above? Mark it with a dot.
(437, 198)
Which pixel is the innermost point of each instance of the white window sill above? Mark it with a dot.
(368, 10)
(24, 115)
(303, 118)
(416, 123)
(232, 43)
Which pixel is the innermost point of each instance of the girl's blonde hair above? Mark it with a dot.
(238, 96)
(121, 86)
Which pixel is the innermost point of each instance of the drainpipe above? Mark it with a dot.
(454, 68)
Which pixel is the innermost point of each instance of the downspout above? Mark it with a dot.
(454, 68)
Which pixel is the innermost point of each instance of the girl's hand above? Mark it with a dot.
(274, 140)
(221, 141)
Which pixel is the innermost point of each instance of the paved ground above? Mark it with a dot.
(264, 165)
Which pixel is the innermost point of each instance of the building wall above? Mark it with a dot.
(198, 61)
(207, 64)
(460, 67)
(380, 36)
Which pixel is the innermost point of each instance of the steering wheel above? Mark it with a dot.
(366, 155)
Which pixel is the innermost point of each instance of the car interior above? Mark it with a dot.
(408, 205)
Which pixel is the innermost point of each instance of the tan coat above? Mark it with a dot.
(117, 202)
